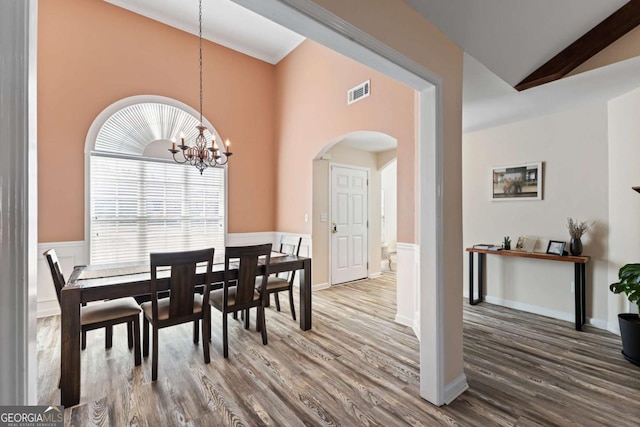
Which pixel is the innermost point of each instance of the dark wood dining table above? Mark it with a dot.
(99, 282)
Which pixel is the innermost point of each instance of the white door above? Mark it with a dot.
(349, 224)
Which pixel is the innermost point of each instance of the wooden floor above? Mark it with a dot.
(356, 367)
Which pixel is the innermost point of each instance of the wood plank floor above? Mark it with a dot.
(356, 367)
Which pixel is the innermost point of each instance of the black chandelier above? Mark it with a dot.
(200, 154)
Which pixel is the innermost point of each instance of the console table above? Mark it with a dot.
(579, 263)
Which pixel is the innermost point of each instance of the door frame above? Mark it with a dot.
(311, 20)
(330, 187)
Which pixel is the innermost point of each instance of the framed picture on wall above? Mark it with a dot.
(517, 182)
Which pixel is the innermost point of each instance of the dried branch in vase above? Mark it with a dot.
(578, 228)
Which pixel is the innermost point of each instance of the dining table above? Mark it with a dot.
(109, 281)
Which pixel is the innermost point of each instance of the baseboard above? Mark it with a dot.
(375, 275)
(455, 388)
(321, 286)
(597, 323)
(403, 320)
(542, 311)
(48, 308)
(613, 327)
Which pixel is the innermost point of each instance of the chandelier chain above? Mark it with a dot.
(200, 38)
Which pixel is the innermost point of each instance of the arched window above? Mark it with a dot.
(140, 200)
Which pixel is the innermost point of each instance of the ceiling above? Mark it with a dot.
(223, 22)
(504, 41)
(374, 142)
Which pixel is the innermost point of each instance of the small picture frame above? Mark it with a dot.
(556, 247)
(526, 243)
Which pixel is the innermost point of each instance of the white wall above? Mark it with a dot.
(573, 147)
(389, 184)
(624, 203)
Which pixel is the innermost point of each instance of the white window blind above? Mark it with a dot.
(141, 206)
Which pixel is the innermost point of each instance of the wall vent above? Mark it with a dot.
(357, 93)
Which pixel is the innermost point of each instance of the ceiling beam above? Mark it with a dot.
(599, 37)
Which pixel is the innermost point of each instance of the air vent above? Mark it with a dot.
(357, 93)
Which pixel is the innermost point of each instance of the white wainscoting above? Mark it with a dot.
(407, 289)
(71, 254)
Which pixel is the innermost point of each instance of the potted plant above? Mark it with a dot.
(629, 284)
(506, 243)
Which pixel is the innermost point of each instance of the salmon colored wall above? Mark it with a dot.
(396, 24)
(92, 54)
(312, 84)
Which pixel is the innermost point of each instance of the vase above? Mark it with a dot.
(575, 246)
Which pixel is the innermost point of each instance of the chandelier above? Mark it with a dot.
(199, 154)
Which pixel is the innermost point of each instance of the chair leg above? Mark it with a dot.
(145, 336)
(206, 331)
(108, 339)
(154, 356)
(246, 314)
(235, 315)
(225, 347)
(130, 333)
(293, 308)
(277, 298)
(84, 340)
(136, 339)
(263, 324)
(196, 331)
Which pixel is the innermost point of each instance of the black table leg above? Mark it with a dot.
(583, 274)
(472, 300)
(579, 292)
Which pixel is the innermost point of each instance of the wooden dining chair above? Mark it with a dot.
(281, 282)
(240, 293)
(184, 304)
(103, 314)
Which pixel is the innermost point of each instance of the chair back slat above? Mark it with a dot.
(247, 258)
(289, 245)
(182, 282)
(56, 273)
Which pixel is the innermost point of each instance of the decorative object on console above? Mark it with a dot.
(506, 243)
(526, 243)
(556, 247)
(199, 155)
(576, 230)
(517, 182)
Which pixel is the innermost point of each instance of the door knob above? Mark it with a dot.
(334, 228)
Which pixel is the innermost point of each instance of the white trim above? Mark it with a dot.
(258, 238)
(18, 203)
(613, 327)
(90, 142)
(404, 320)
(543, 311)
(321, 286)
(312, 21)
(455, 388)
(375, 275)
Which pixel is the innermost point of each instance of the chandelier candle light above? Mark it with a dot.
(199, 155)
